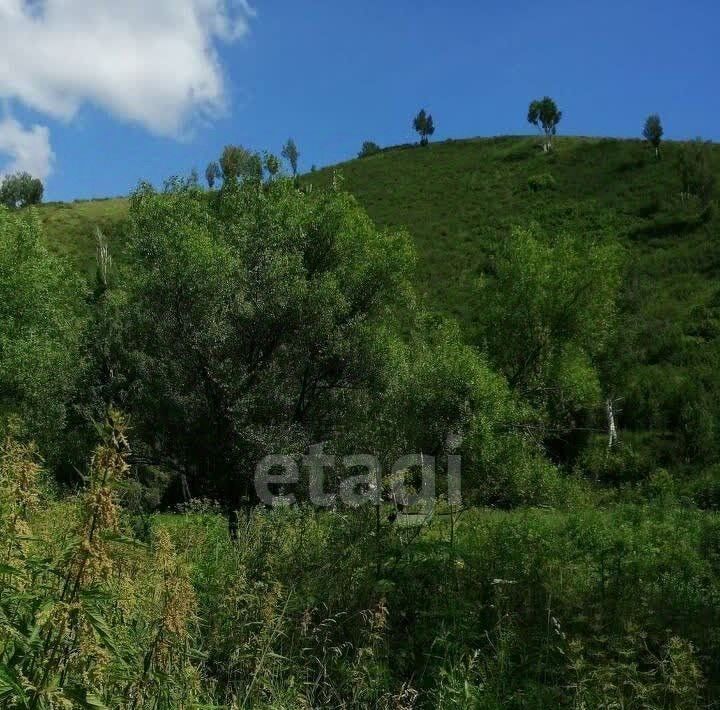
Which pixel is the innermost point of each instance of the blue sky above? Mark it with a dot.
(124, 92)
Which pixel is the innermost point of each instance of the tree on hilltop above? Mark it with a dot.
(424, 125)
(21, 190)
(291, 154)
(544, 114)
(653, 132)
(238, 163)
(212, 174)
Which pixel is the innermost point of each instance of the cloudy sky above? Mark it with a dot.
(97, 94)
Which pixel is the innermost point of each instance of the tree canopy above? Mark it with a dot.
(257, 322)
(424, 126)
(212, 174)
(545, 115)
(548, 309)
(653, 132)
(21, 190)
(238, 163)
(291, 154)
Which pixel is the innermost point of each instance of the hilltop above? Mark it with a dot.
(459, 198)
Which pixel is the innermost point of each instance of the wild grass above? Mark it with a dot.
(534, 608)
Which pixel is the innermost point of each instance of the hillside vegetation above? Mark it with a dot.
(460, 201)
(488, 299)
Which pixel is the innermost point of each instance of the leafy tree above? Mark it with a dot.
(424, 125)
(547, 314)
(369, 148)
(272, 164)
(256, 324)
(291, 154)
(39, 330)
(212, 174)
(653, 132)
(544, 114)
(238, 163)
(443, 398)
(696, 171)
(21, 190)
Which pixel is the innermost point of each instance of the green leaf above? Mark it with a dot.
(10, 684)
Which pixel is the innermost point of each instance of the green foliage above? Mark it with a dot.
(238, 163)
(89, 617)
(256, 323)
(424, 126)
(266, 318)
(704, 489)
(291, 154)
(653, 132)
(696, 171)
(271, 164)
(212, 174)
(369, 148)
(544, 181)
(544, 114)
(548, 310)
(39, 329)
(21, 190)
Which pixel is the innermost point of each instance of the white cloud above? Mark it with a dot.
(29, 150)
(153, 62)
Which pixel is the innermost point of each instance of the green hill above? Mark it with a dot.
(70, 228)
(460, 199)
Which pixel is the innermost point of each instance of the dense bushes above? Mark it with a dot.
(544, 181)
(40, 307)
(261, 320)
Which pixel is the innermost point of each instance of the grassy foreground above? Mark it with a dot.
(531, 609)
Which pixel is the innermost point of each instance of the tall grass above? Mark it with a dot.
(594, 608)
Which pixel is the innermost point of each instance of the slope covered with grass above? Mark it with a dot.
(459, 199)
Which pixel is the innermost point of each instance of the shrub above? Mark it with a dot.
(21, 190)
(539, 183)
(704, 490)
(369, 148)
(39, 330)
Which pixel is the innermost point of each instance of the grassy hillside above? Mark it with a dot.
(70, 228)
(605, 596)
(459, 198)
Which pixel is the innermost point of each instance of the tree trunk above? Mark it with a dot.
(185, 488)
(612, 430)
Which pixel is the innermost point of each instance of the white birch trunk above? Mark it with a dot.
(612, 430)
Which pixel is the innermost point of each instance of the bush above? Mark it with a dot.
(542, 182)
(622, 464)
(704, 490)
(21, 190)
(39, 330)
(369, 148)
